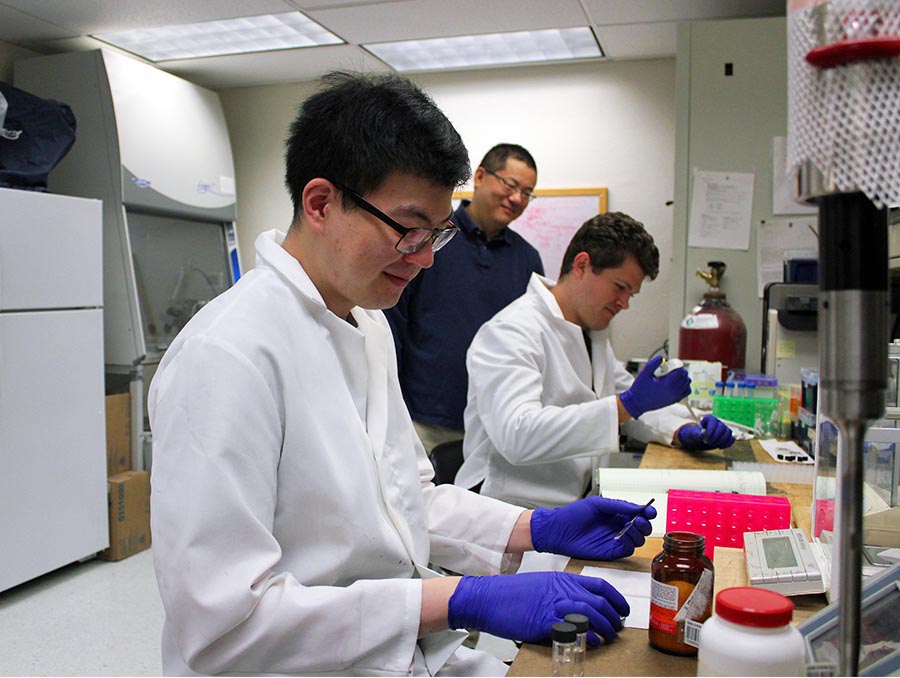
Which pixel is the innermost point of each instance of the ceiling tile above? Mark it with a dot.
(407, 19)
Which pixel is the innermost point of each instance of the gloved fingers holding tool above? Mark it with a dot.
(649, 392)
(525, 606)
(593, 528)
(709, 434)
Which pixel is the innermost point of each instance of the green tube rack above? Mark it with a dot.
(744, 411)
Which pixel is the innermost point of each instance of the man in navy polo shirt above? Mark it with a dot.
(484, 268)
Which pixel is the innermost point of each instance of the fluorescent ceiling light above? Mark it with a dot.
(228, 36)
(494, 49)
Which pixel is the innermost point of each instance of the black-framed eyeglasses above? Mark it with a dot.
(411, 239)
(512, 185)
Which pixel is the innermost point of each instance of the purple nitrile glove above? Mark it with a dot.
(525, 606)
(588, 528)
(651, 393)
(709, 434)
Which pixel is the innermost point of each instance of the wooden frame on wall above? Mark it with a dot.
(550, 221)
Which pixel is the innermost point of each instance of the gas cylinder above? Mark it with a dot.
(713, 331)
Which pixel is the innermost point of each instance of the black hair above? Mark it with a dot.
(608, 239)
(495, 159)
(361, 128)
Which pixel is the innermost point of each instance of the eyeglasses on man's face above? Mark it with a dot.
(411, 239)
(512, 186)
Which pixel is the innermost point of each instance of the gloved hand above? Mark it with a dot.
(651, 393)
(587, 528)
(709, 434)
(525, 606)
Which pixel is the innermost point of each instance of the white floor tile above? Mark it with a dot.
(86, 619)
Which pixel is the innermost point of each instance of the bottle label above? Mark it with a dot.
(666, 615)
(700, 321)
(663, 606)
(692, 633)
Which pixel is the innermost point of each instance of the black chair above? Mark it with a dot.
(446, 459)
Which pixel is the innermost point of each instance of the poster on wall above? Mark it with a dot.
(721, 205)
(552, 218)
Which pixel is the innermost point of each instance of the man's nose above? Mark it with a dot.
(424, 258)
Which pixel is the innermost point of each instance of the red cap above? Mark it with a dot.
(748, 606)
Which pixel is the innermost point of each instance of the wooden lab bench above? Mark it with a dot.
(630, 653)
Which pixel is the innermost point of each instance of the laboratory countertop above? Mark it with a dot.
(630, 653)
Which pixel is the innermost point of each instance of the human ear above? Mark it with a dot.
(478, 176)
(319, 196)
(581, 263)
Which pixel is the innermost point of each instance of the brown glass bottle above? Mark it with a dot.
(681, 589)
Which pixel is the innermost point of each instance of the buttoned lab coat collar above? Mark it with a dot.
(541, 287)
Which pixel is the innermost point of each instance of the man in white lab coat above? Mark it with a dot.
(293, 513)
(546, 392)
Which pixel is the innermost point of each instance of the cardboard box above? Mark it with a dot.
(118, 433)
(129, 514)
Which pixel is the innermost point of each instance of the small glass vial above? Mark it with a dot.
(581, 624)
(751, 635)
(565, 650)
(681, 593)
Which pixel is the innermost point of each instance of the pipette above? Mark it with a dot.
(667, 366)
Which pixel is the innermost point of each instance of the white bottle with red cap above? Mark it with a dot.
(751, 634)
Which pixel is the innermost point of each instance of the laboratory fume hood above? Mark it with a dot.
(155, 149)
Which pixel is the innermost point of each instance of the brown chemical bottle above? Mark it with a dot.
(681, 590)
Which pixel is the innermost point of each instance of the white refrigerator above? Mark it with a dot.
(52, 424)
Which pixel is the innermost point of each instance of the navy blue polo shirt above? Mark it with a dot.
(442, 308)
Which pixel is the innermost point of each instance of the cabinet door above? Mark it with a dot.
(52, 441)
(50, 251)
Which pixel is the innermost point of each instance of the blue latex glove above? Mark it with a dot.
(651, 393)
(709, 434)
(587, 528)
(525, 606)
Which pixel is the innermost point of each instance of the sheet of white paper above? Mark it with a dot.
(721, 204)
(786, 448)
(783, 186)
(780, 239)
(635, 586)
(534, 561)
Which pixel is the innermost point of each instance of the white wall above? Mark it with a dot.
(8, 55)
(602, 124)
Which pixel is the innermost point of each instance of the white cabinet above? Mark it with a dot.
(52, 425)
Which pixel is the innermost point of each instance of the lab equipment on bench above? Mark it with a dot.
(681, 593)
(879, 651)
(751, 635)
(785, 561)
(567, 660)
(790, 340)
(669, 366)
(724, 518)
(156, 150)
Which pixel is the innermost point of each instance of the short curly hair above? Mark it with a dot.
(608, 239)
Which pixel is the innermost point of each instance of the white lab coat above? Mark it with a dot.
(533, 419)
(292, 509)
